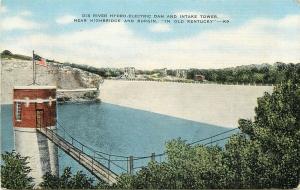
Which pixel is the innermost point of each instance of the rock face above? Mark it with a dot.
(19, 73)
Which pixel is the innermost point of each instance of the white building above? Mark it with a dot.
(181, 73)
(129, 72)
(164, 71)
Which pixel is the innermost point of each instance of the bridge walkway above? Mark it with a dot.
(105, 166)
(89, 162)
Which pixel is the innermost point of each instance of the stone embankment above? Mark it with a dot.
(19, 73)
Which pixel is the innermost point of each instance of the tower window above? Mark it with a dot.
(18, 111)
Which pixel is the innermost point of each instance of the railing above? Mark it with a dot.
(105, 158)
(210, 140)
(90, 162)
(119, 163)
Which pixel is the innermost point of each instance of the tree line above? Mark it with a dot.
(250, 74)
(256, 73)
(259, 74)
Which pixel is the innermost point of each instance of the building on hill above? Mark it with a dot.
(199, 77)
(181, 73)
(163, 72)
(129, 72)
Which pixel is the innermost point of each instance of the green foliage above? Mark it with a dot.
(245, 164)
(9, 55)
(67, 181)
(6, 52)
(14, 171)
(186, 167)
(259, 74)
(276, 129)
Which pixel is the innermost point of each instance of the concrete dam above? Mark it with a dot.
(215, 104)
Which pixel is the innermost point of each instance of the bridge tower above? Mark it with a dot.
(35, 107)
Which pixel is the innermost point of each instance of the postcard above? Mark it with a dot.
(141, 94)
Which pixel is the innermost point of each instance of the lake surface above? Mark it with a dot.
(115, 129)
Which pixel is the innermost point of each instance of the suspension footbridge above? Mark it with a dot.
(105, 166)
(87, 161)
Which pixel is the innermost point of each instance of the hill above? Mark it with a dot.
(16, 70)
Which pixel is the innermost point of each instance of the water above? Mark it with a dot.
(115, 129)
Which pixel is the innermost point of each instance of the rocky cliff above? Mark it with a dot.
(15, 72)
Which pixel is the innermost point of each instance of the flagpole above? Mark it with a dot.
(33, 77)
(33, 68)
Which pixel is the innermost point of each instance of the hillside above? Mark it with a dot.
(16, 70)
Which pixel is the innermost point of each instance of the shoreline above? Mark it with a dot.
(191, 82)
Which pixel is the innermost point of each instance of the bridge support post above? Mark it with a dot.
(130, 165)
(93, 161)
(109, 162)
(153, 157)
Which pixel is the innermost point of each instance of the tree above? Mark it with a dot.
(6, 52)
(15, 172)
(186, 167)
(67, 180)
(276, 128)
(245, 164)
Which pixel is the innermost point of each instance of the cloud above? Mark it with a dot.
(18, 23)
(66, 19)
(3, 9)
(160, 28)
(25, 13)
(223, 16)
(290, 21)
(116, 45)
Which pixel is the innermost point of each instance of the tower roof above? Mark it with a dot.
(35, 87)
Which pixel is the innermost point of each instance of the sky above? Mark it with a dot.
(258, 31)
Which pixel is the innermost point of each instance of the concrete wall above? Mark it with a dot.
(41, 152)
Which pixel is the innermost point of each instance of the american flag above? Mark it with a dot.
(42, 62)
